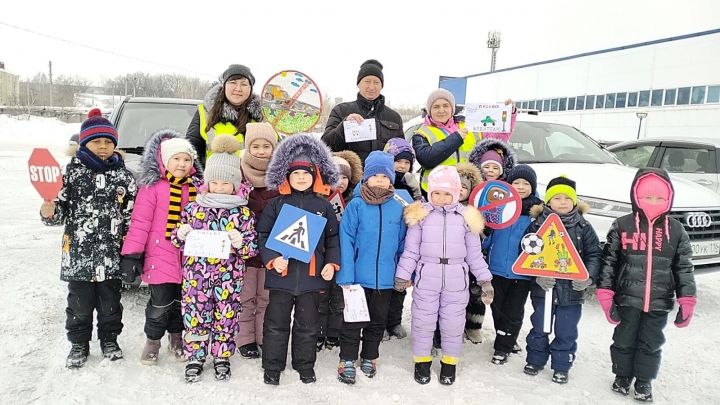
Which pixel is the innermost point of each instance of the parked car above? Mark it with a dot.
(694, 159)
(554, 149)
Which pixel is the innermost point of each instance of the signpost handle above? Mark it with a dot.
(547, 315)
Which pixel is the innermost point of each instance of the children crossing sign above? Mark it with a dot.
(550, 253)
(296, 233)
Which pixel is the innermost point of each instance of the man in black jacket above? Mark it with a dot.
(369, 104)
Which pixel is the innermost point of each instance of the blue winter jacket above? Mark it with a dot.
(372, 238)
(503, 248)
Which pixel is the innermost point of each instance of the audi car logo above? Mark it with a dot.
(698, 219)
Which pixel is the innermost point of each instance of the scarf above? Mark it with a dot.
(373, 107)
(254, 169)
(451, 126)
(94, 163)
(214, 200)
(569, 220)
(376, 195)
(176, 185)
(528, 203)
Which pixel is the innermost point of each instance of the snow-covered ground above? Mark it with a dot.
(34, 346)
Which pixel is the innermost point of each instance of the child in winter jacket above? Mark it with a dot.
(470, 176)
(211, 286)
(568, 296)
(167, 184)
(442, 246)
(372, 235)
(503, 248)
(300, 169)
(260, 142)
(647, 265)
(94, 203)
(350, 171)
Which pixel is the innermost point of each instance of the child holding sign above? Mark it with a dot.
(647, 263)
(210, 285)
(300, 169)
(441, 248)
(94, 204)
(568, 296)
(371, 236)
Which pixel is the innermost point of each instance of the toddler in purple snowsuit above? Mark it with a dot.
(442, 247)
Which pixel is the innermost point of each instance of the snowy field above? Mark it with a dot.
(33, 337)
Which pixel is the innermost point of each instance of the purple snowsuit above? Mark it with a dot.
(442, 245)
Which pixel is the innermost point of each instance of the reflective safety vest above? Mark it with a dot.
(434, 134)
(217, 129)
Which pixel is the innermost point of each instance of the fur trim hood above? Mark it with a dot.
(152, 167)
(229, 113)
(356, 167)
(416, 212)
(469, 171)
(501, 147)
(301, 145)
(537, 210)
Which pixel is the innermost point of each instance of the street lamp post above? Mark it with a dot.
(640, 115)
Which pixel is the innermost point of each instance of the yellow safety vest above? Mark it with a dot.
(217, 129)
(434, 134)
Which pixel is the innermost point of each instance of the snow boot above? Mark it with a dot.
(271, 377)
(368, 367)
(422, 372)
(474, 335)
(78, 355)
(176, 346)
(397, 331)
(193, 371)
(346, 371)
(249, 351)
(560, 377)
(332, 342)
(516, 349)
(222, 369)
(110, 349)
(319, 344)
(150, 353)
(499, 358)
(447, 373)
(643, 390)
(531, 369)
(621, 385)
(307, 376)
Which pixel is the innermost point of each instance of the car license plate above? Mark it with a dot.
(705, 248)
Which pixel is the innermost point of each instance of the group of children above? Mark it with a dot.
(435, 244)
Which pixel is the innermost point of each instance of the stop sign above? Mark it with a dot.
(45, 173)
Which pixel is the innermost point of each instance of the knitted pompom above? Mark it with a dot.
(225, 144)
(95, 112)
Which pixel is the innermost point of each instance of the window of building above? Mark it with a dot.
(563, 104)
(580, 103)
(670, 96)
(683, 96)
(571, 103)
(620, 100)
(610, 100)
(713, 94)
(546, 105)
(600, 101)
(632, 99)
(554, 105)
(698, 95)
(656, 98)
(644, 98)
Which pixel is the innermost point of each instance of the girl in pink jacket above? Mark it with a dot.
(167, 184)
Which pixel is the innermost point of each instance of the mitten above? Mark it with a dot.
(488, 293)
(546, 283)
(235, 238)
(685, 312)
(605, 298)
(401, 285)
(131, 267)
(581, 285)
(183, 231)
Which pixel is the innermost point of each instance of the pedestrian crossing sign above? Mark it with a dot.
(296, 233)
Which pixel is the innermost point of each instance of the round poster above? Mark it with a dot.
(291, 102)
(498, 201)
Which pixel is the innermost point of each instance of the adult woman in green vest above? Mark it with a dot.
(227, 108)
(443, 138)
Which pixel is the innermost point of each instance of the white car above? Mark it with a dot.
(554, 149)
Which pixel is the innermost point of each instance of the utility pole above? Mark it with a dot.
(51, 83)
(493, 43)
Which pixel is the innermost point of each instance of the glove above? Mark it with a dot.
(488, 293)
(327, 272)
(131, 267)
(183, 231)
(605, 298)
(686, 311)
(402, 285)
(546, 283)
(581, 285)
(235, 238)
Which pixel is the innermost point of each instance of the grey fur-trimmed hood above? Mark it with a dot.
(229, 113)
(150, 161)
(509, 159)
(300, 145)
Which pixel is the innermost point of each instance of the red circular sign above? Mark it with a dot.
(498, 201)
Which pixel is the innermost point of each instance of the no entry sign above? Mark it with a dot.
(45, 174)
(498, 201)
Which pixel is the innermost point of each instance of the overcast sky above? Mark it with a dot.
(416, 41)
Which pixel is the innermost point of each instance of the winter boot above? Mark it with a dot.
(78, 355)
(397, 331)
(368, 367)
(621, 385)
(474, 335)
(560, 377)
(332, 342)
(307, 376)
(193, 370)
(110, 349)
(320, 344)
(271, 377)
(447, 373)
(150, 353)
(531, 369)
(176, 346)
(499, 358)
(222, 368)
(346, 371)
(249, 351)
(516, 349)
(422, 372)
(643, 390)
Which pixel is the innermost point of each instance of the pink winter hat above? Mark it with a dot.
(654, 185)
(445, 178)
(492, 156)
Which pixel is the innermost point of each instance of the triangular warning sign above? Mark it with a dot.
(296, 235)
(550, 253)
(338, 204)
